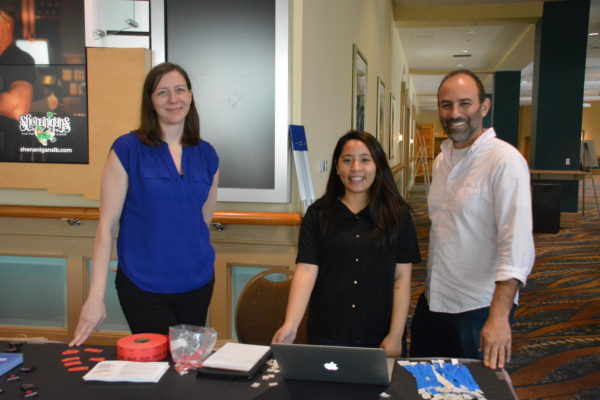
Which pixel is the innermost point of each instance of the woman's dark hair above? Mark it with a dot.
(149, 131)
(387, 207)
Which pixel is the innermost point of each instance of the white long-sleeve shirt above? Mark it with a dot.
(481, 224)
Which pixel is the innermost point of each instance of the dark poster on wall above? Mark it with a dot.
(43, 99)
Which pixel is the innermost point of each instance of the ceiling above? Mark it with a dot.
(495, 35)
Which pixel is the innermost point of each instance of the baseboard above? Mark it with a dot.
(569, 220)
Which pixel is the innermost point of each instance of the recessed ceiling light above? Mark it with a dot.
(470, 32)
(465, 51)
(459, 65)
(593, 34)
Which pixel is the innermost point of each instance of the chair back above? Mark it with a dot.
(261, 309)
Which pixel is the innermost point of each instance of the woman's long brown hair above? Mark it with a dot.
(149, 130)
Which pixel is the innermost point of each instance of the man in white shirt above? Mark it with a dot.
(481, 244)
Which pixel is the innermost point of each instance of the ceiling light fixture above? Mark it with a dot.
(466, 50)
(593, 34)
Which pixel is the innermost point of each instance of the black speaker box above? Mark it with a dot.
(546, 206)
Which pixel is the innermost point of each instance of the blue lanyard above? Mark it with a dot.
(442, 380)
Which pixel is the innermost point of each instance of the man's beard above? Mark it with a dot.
(458, 134)
(465, 131)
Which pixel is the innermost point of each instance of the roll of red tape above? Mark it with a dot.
(143, 347)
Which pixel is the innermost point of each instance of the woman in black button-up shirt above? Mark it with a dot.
(355, 253)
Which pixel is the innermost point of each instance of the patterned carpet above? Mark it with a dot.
(556, 337)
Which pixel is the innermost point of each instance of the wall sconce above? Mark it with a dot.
(399, 137)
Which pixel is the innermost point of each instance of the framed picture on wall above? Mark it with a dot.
(392, 138)
(404, 139)
(251, 112)
(380, 109)
(359, 89)
(49, 122)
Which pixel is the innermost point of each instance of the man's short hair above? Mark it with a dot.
(467, 72)
(9, 8)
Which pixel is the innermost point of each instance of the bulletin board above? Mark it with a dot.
(114, 85)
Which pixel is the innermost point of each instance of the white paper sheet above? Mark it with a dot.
(127, 371)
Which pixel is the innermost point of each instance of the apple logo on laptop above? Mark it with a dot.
(331, 366)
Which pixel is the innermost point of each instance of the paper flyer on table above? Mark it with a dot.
(127, 371)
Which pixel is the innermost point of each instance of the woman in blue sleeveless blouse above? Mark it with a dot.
(159, 188)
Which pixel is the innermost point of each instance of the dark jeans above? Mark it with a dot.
(148, 312)
(435, 334)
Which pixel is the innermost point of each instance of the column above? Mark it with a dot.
(507, 90)
(559, 70)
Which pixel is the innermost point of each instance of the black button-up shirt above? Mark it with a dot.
(353, 294)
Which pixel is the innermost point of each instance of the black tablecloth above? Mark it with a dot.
(55, 382)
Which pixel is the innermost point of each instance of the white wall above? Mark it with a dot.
(329, 29)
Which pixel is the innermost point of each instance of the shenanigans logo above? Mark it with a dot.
(46, 129)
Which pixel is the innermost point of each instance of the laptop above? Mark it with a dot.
(333, 363)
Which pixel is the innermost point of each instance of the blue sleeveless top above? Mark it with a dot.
(164, 244)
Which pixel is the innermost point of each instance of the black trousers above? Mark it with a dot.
(148, 312)
(435, 334)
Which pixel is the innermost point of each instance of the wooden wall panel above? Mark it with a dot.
(235, 245)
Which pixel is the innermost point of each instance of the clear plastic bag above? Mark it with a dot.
(190, 346)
